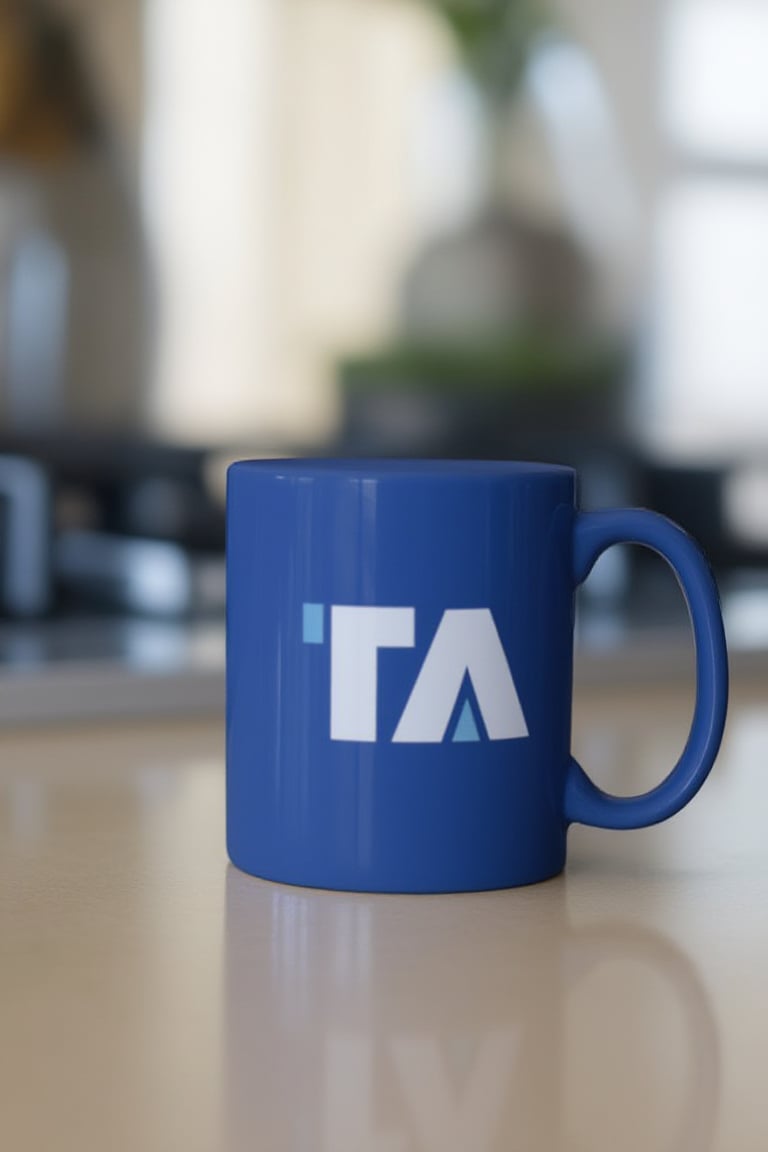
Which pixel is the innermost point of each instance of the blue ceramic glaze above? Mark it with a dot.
(399, 672)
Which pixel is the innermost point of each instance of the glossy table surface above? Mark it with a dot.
(152, 998)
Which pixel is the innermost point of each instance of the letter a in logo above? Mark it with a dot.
(466, 643)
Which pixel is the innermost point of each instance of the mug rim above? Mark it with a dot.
(407, 468)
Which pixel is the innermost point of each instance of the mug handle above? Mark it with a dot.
(594, 532)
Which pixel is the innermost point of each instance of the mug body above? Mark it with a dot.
(399, 672)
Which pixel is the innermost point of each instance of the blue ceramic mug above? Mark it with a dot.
(399, 672)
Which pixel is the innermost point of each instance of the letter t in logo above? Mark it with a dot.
(356, 636)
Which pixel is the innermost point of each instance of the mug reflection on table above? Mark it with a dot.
(373, 1024)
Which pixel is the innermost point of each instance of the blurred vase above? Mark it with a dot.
(503, 347)
(72, 266)
(72, 269)
(488, 266)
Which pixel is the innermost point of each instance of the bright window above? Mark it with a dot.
(709, 350)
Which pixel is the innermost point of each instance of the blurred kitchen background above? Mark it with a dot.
(494, 228)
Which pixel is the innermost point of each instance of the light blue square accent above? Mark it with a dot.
(314, 623)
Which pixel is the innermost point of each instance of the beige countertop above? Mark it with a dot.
(152, 999)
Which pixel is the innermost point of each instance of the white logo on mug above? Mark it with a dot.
(466, 644)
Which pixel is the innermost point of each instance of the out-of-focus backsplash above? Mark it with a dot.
(368, 227)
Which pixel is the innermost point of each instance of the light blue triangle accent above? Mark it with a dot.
(466, 729)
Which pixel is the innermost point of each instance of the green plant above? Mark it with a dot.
(493, 37)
